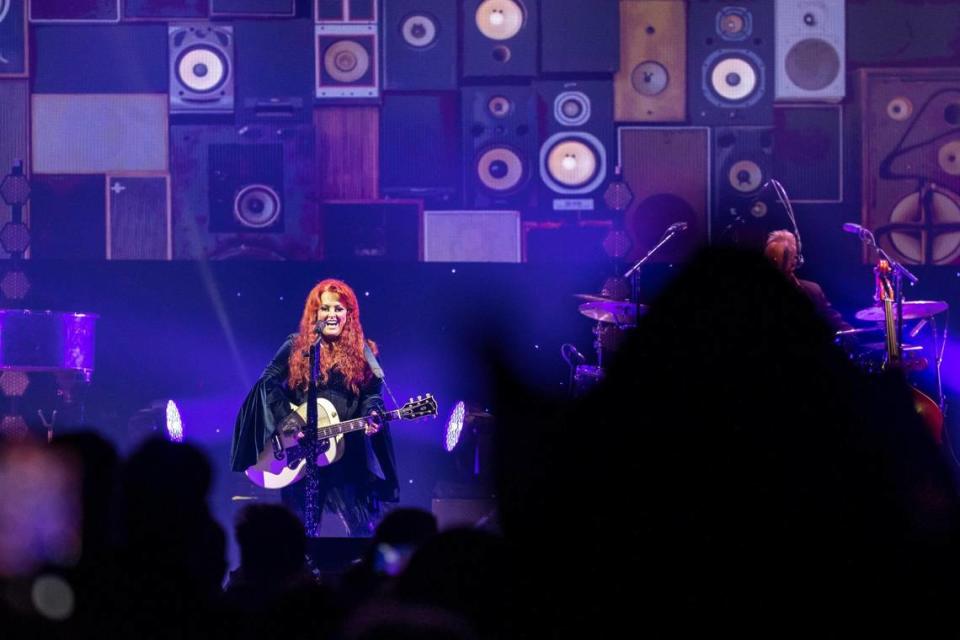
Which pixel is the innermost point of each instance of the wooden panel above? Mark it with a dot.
(668, 172)
(656, 32)
(348, 152)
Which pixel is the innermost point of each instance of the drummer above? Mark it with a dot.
(781, 249)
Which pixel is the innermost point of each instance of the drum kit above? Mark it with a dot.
(613, 319)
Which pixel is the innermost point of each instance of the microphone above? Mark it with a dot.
(857, 230)
(677, 227)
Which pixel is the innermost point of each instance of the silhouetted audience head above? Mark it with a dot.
(272, 543)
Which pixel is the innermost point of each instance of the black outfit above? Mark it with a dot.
(353, 487)
(823, 306)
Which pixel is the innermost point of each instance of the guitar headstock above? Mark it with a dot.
(884, 291)
(422, 407)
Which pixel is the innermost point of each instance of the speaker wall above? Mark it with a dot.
(372, 230)
(14, 57)
(420, 148)
(348, 147)
(668, 172)
(891, 32)
(910, 122)
(138, 218)
(275, 79)
(201, 68)
(67, 217)
(499, 38)
(577, 141)
(650, 85)
(810, 49)
(243, 196)
(472, 236)
(579, 37)
(745, 212)
(554, 242)
(159, 9)
(74, 10)
(420, 45)
(123, 58)
(809, 157)
(347, 61)
(499, 146)
(14, 132)
(258, 8)
(99, 133)
(730, 62)
(345, 11)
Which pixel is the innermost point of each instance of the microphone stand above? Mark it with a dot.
(788, 207)
(899, 273)
(632, 272)
(312, 507)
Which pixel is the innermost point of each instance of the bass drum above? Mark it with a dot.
(585, 378)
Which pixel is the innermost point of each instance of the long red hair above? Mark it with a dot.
(345, 353)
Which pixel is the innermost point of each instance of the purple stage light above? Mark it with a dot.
(455, 425)
(174, 423)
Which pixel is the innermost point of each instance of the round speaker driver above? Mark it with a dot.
(948, 157)
(572, 163)
(201, 69)
(500, 169)
(256, 206)
(945, 210)
(346, 61)
(499, 19)
(812, 64)
(745, 176)
(419, 30)
(571, 108)
(733, 79)
(650, 78)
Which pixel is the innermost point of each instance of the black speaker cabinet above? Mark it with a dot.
(165, 9)
(579, 37)
(345, 11)
(67, 217)
(257, 8)
(275, 78)
(745, 209)
(576, 142)
(809, 158)
(14, 56)
(420, 148)
(499, 146)
(347, 62)
(730, 62)
(201, 68)
(499, 38)
(372, 230)
(247, 194)
(97, 58)
(138, 217)
(420, 45)
(74, 10)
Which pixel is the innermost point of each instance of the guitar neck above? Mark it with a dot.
(352, 425)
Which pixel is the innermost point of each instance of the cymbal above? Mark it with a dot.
(881, 346)
(612, 311)
(596, 298)
(912, 310)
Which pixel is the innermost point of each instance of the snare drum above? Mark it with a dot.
(585, 378)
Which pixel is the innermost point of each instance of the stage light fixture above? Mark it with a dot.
(15, 237)
(468, 438)
(14, 383)
(15, 285)
(161, 418)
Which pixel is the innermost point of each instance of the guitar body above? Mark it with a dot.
(929, 411)
(273, 472)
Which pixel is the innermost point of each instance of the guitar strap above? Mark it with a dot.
(372, 361)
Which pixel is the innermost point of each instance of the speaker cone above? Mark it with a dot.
(572, 162)
(346, 61)
(256, 206)
(649, 78)
(812, 64)
(419, 30)
(945, 209)
(500, 169)
(499, 19)
(745, 176)
(734, 23)
(571, 108)
(734, 79)
(948, 157)
(202, 69)
(900, 108)
(500, 107)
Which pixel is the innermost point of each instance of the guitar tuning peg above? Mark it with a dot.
(411, 399)
(419, 398)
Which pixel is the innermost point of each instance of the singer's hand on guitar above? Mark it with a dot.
(374, 422)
